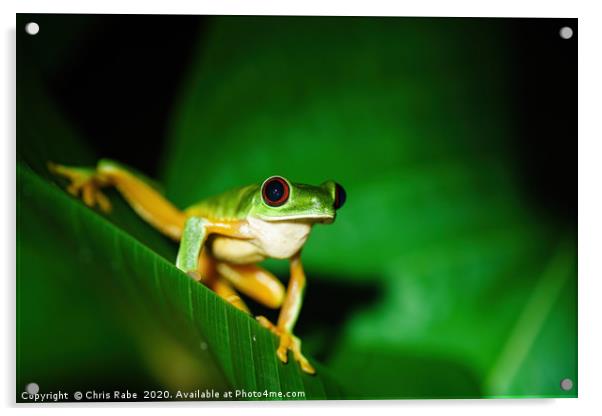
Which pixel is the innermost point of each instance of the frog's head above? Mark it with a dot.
(278, 199)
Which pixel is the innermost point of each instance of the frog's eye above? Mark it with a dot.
(340, 196)
(275, 191)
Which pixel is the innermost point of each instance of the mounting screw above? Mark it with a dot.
(566, 384)
(32, 28)
(566, 32)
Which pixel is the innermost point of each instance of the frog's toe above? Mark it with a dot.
(82, 184)
(88, 194)
(76, 185)
(283, 347)
(103, 202)
(299, 357)
(282, 350)
(288, 342)
(92, 196)
(306, 366)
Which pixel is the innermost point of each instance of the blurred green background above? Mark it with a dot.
(450, 272)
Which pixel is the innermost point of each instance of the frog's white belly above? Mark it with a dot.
(274, 239)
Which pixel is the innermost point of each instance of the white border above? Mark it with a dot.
(590, 186)
(517, 8)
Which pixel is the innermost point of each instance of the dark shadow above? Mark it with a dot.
(115, 77)
(544, 74)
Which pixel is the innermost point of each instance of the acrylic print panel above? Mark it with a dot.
(439, 157)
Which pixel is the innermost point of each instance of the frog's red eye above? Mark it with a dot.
(275, 191)
(340, 196)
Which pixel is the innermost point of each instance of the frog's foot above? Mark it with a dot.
(287, 342)
(223, 289)
(236, 301)
(84, 183)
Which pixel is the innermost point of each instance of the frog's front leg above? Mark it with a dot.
(194, 235)
(288, 316)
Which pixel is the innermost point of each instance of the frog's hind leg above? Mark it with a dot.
(251, 280)
(140, 192)
(212, 279)
(255, 282)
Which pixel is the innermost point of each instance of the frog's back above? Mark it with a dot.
(230, 205)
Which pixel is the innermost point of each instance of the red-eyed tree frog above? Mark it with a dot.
(222, 238)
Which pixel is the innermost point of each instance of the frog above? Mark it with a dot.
(223, 238)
